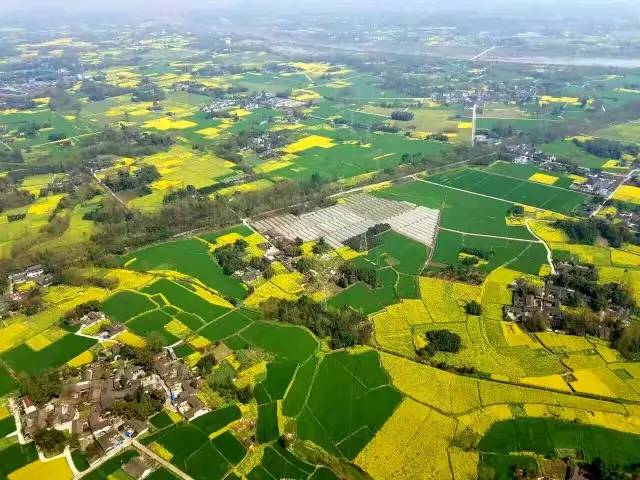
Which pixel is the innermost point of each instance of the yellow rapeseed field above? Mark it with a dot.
(547, 232)
(285, 286)
(547, 99)
(129, 279)
(161, 451)
(427, 384)
(561, 343)
(38, 342)
(58, 469)
(347, 253)
(305, 95)
(480, 420)
(130, 339)
(464, 464)
(555, 382)
(445, 300)
(624, 259)
(587, 381)
(394, 326)
(608, 354)
(311, 141)
(614, 165)
(398, 449)
(579, 179)
(543, 178)
(514, 336)
(247, 377)
(83, 359)
(254, 186)
(177, 328)
(200, 342)
(627, 193)
(166, 123)
(44, 205)
(273, 165)
(465, 125)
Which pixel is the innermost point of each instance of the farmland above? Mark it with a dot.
(299, 261)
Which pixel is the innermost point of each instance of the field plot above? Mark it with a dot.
(531, 173)
(349, 159)
(624, 132)
(548, 437)
(514, 190)
(16, 457)
(190, 257)
(188, 446)
(570, 151)
(23, 359)
(465, 212)
(127, 304)
(397, 450)
(399, 252)
(361, 386)
(524, 256)
(186, 300)
(58, 469)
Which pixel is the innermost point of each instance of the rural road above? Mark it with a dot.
(176, 471)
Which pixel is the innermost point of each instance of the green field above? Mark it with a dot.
(460, 211)
(526, 257)
(111, 466)
(184, 299)
(22, 359)
(514, 190)
(125, 305)
(397, 251)
(549, 436)
(524, 172)
(290, 342)
(192, 450)
(152, 322)
(16, 456)
(191, 257)
(7, 383)
(361, 387)
(567, 150)
(623, 132)
(225, 326)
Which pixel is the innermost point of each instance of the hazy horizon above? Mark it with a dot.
(155, 8)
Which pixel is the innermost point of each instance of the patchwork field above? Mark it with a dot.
(530, 193)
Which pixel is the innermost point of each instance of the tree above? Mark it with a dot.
(51, 442)
(403, 116)
(473, 308)
(442, 341)
(628, 342)
(536, 322)
(41, 388)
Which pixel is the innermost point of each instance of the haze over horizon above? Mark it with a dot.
(159, 8)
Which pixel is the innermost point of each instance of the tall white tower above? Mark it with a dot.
(474, 118)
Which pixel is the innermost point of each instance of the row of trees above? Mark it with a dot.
(587, 231)
(138, 180)
(344, 327)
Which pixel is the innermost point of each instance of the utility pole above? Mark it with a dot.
(474, 118)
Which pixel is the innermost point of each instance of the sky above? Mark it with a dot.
(177, 7)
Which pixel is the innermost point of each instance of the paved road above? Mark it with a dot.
(492, 236)
(626, 178)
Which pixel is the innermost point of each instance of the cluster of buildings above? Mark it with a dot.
(85, 407)
(548, 299)
(34, 273)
